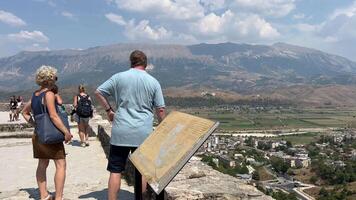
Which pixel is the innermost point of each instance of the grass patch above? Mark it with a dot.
(300, 138)
(264, 175)
(278, 118)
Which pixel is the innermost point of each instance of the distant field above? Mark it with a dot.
(264, 175)
(285, 118)
(300, 139)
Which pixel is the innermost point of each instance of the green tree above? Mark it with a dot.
(313, 179)
(289, 144)
(256, 176)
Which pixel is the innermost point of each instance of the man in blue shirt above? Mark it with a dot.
(137, 96)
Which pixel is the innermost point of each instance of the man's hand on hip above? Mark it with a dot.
(110, 115)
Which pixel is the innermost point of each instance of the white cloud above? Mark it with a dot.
(140, 31)
(117, 19)
(177, 9)
(11, 19)
(36, 47)
(336, 34)
(274, 8)
(213, 24)
(340, 25)
(143, 31)
(68, 15)
(349, 11)
(234, 27)
(26, 36)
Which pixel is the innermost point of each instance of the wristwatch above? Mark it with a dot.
(109, 109)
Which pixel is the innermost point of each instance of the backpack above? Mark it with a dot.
(84, 108)
(13, 104)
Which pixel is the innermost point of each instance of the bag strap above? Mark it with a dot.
(44, 106)
(82, 97)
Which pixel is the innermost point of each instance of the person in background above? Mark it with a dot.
(137, 95)
(46, 77)
(83, 110)
(59, 99)
(19, 107)
(72, 114)
(13, 107)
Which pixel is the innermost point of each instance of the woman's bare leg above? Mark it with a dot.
(86, 133)
(81, 127)
(41, 177)
(59, 177)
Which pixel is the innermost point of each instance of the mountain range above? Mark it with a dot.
(231, 70)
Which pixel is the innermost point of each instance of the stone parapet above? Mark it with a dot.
(196, 180)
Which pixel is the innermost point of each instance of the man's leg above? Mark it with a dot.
(144, 184)
(114, 185)
(116, 165)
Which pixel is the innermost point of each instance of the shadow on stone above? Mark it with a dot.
(33, 193)
(103, 194)
(76, 143)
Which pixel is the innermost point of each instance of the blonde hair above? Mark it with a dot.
(45, 75)
(81, 88)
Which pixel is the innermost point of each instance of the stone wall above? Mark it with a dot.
(196, 180)
(4, 107)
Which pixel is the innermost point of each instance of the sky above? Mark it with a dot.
(42, 25)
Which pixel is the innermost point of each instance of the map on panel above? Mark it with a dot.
(170, 146)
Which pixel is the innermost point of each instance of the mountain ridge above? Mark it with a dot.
(243, 69)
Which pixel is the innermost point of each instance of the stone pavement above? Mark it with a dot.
(4, 119)
(86, 171)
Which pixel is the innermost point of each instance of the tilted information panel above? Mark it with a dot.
(164, 153)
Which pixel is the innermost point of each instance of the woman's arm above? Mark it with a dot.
(26, 113)
(75, 102)
(52, 112)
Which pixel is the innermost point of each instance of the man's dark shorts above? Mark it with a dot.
(118, 157)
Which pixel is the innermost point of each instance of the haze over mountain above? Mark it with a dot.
(240, 69)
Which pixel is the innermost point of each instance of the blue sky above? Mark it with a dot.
(33, 25)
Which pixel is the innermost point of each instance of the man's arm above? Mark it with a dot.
(161, 113)
(105, 104)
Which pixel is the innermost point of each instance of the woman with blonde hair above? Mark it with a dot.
(84, 110)
(42, 98)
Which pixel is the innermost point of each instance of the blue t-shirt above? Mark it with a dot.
(136, 94)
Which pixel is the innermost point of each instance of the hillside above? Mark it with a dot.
(232, 70)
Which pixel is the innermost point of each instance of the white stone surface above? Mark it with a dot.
(5, 119)
(86, 171)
